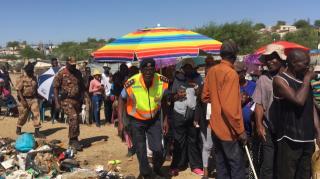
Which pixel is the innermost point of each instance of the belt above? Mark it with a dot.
(29, 97)
(97, 94)
(155, 117)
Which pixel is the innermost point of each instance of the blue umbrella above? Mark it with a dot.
(45, 83)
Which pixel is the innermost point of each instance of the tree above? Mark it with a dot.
(307, 37)
(68, 49)
(259, 26)
(24, 42)
(243, 33)
(277, 26)
(280, 22)
(317, 23)
(14, 45)
(92, 44)
(29, 53)
(81, 51)
(267, 38)
(301, 24)
(110, 40)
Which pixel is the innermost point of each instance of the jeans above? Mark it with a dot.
(152, 130)
(229, 160)
(268, 154)
(294, 159)
(96, 103)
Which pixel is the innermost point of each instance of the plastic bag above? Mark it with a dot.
(315, 164)
(25, 142)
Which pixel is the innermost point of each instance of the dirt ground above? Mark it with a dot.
(105, 144)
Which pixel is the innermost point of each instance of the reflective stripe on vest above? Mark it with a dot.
(142, 103)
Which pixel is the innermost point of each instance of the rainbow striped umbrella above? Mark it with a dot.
(161, 43)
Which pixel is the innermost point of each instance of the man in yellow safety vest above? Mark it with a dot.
(144, 96)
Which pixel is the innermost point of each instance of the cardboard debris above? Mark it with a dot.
(8, 163)
(19, 174)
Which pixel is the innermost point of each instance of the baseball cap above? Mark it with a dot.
(105, 65)
(188, 61)
(273, 48)
(145, 62)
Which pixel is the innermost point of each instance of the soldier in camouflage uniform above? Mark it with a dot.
(69, 82)
(28, 100)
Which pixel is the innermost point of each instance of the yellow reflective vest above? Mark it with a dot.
(144, 103)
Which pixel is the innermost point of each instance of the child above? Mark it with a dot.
(187, 101)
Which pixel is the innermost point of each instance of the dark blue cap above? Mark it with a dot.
(145, 62)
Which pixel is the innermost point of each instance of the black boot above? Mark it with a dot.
(74, 143)
(18, 131)
(37, 134)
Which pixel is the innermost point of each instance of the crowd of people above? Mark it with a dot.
(196, 122)
(6, 99)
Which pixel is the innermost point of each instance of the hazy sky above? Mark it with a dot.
(63, 20)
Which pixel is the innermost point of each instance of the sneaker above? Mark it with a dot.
(198, 171)
(174, 172)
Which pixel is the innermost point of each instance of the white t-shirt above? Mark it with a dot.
(190, 101)
(105, 81)
(208, 115)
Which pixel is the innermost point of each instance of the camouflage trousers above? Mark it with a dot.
(25, 111)
(72, 109)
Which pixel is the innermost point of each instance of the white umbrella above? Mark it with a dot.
(45, 82)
